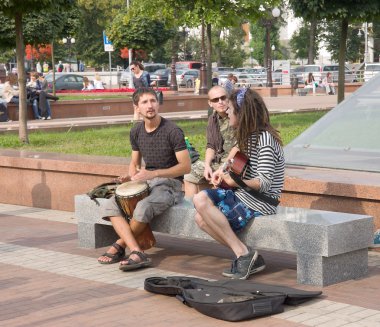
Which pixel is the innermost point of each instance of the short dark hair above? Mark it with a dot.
(137, 63)
(140, 91)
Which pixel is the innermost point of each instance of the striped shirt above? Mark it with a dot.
(267, 163)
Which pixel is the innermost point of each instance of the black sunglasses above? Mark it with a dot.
(215, 100)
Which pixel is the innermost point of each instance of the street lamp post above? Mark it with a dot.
(203, 74)
(365, 41)
(251, 57)
(173, 76)
(268, 22)
(69, 41)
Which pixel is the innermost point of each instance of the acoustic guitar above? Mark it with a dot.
(238, 165)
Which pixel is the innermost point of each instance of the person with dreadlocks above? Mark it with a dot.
(224, 212)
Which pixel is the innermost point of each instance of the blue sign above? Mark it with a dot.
(107, 43)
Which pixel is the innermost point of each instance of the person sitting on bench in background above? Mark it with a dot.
(223, 212)
(39, 97)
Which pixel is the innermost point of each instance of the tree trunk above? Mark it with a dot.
(313, 29)
(20, 51)
(209, 53)
(218, 50)
(53, 64)
(342, 59)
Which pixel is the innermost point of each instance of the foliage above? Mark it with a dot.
(355, 46)
(7, 30)
(300, 40)
(342, 10)
(229, 48)
(376, 36)
(138, 32)
(16, 9)
(258, 40)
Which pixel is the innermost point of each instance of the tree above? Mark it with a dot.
(16, 9)
(229, 52)
(138, 33)
(355, 50)
(343, 11)
(212, 13)
(300, 42)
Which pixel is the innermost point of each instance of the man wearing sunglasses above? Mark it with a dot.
(220, 140)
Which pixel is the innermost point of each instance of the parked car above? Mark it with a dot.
(160, 77)
(187, 77)
(349, 75)
(188, 65)
(370, 70)
(223, 70)
(249, 80)
(320, 71)
(150, 68)
(65, 81)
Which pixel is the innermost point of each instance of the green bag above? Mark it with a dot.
(103, 191)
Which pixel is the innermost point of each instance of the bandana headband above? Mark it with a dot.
(240, 96)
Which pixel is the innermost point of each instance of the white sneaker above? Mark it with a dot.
(48, 118)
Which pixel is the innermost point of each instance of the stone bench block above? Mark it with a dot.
(331, 247)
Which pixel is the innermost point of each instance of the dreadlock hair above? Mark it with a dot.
(252, 115)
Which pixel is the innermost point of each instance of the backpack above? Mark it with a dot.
(103, 191)
(230, 300)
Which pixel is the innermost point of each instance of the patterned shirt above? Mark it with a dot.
(158, 148)
(220, 137)
(267, 163)
(228, 136)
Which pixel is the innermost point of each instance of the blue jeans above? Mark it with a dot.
(36, 110)
(48, 109)
(15, 99)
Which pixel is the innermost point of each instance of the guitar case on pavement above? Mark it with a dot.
(231, 300)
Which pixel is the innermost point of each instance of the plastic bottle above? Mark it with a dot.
(188, 145)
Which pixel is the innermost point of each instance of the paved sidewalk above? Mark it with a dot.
(275, 105)
(47, 280)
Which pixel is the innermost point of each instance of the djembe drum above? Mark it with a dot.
(127, 196)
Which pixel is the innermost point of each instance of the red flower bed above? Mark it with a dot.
(106, 90)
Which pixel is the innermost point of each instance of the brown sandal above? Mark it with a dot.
(117, 257)
(133, 265)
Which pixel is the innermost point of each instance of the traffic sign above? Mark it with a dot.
(107, 43)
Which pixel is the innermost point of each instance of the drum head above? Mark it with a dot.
(131, 188)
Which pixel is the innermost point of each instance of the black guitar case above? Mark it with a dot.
(231, 300)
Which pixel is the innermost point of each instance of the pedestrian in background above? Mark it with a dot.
(98, 84)
(310, 83)
(228, 84)
(87, 85)
(141, 78)
(10, 94)
(39, 68)
(328, 83)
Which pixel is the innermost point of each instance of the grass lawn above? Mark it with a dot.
(114, 141)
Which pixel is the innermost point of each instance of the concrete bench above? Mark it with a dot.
(331, 247)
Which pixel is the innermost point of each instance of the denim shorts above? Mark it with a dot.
(236, 212)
